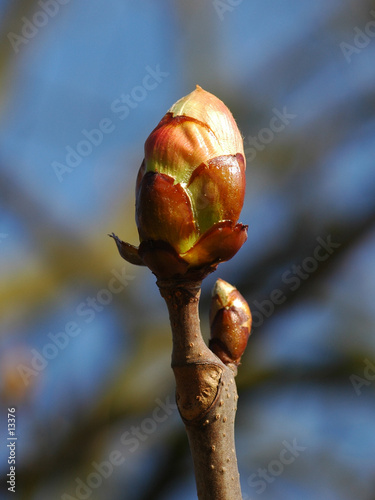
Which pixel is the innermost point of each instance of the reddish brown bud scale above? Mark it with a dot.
(164, 212)
(218, 190)
(230, 323)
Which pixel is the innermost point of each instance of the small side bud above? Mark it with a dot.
(230, 323)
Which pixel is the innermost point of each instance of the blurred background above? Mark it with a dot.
(85, 342)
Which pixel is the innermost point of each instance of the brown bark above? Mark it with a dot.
(206, 395)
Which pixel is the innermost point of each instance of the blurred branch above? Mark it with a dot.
(172, 466)
(72, 453)
(294, 250)
(64, 253)
(12, 23)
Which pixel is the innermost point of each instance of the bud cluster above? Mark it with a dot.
(190, 190)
